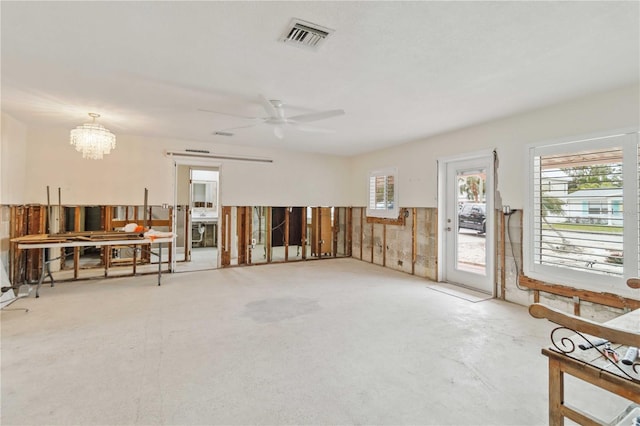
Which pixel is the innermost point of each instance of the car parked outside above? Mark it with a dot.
(473, 216)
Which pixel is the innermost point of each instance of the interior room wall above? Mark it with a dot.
(13, 161)
(417, 169)
(294, 178)
(417, 161)
(13, 158)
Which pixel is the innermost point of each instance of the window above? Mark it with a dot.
(581, 225)
(383, 196)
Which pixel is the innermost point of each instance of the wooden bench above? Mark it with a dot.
(600, 365)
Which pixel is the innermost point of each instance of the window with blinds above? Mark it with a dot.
(583, 212)
(579, 210)
(382, 194)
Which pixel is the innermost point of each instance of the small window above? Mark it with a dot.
(383, 195)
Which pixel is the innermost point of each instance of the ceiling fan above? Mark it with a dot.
(277, 118)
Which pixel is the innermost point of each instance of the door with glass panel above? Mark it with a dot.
(468, 222)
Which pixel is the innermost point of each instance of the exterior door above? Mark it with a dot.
(468, 235)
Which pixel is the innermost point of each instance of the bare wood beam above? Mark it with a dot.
(607, 299)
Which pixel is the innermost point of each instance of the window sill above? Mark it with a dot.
(401, 220)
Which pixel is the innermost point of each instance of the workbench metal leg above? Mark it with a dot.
(46, 270)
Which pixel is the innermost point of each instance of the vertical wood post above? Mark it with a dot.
(503, 263)
(76, 250)
(414, 239)
(247, 233)
(349, 237)
(361, 236)
(304, 232)
(372, 241)
(269, 228)
(384, 244)
(335, 230)
(286, 234)
(225, 225)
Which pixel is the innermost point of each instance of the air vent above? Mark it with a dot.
(223, 134)
(305, 34)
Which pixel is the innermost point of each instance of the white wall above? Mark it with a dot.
(417, 161)
(13, 158)
(13, 161)
(293, 178)
(137, 163)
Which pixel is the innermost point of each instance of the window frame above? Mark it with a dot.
(384, 213)
(628, 140)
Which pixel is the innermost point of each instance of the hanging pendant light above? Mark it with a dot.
(92, 139)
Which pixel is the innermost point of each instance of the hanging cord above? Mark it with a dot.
(513, 252)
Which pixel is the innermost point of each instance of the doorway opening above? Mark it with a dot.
(197, 212)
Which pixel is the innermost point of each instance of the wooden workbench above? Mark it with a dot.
(57, 243)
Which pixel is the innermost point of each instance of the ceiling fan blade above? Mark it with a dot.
(311, 129)
(233, 128)
(272, 111)
(314, 116)
(226, 113)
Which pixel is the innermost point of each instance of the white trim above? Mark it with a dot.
(196, 156)
(466, 156)
(628, 140)
(196, 162)
(487, 157)
(384, 213)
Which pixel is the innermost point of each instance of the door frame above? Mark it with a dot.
(489, 157)
(192, 162)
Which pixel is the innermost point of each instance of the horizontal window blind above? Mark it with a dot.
(382, 202)
(381, 192)
(579, 210)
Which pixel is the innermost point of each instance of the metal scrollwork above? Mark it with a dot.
(566, 345)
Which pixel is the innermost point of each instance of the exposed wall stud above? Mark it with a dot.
(414, 239)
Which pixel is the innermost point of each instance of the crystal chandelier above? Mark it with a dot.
(92, 139)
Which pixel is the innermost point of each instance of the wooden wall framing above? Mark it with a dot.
(408, 244)
(577, 295)
(25, 265)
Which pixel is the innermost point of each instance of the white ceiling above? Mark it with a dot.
(402, 71)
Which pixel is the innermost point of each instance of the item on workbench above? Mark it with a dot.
(630, 357)
(134, 227)
(610, 353)
(593, 343)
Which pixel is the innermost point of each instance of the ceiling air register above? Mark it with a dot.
(305, 34)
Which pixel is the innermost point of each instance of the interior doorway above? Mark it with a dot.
(196, 217)
(467, 237)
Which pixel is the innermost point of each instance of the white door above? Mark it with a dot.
(467, 223)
